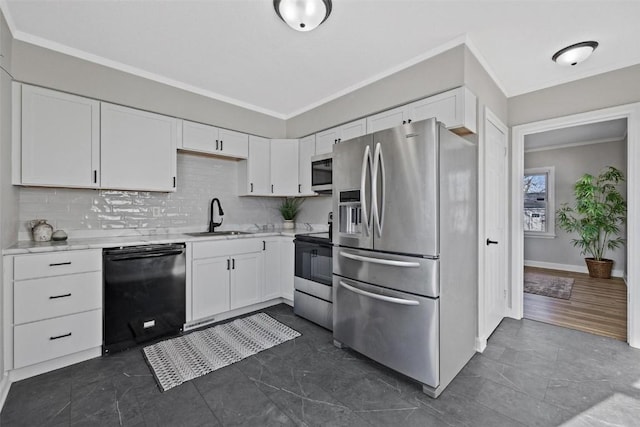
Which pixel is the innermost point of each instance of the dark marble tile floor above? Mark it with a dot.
(531, 374)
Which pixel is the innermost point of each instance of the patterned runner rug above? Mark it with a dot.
(547, 285)
(181, 359)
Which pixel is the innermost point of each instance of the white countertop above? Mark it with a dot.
(25, 247)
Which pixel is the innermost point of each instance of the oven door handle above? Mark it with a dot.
(401, 301)
(389, 262)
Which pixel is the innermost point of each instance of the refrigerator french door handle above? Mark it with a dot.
(378, 163)
(389, 262)
(366, 166)
(401, 301)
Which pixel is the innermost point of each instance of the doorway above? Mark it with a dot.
(632, 114)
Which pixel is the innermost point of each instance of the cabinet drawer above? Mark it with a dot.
(39, 299)
(226, 247)
(39, 341)
(56, 264)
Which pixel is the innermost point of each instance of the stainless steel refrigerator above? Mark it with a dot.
(405, 250)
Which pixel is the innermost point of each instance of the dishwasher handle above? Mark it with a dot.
(134, 256)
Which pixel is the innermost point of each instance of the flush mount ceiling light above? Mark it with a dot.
(571, 55)
(303, 15)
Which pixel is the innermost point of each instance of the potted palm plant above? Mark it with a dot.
(289, 208)
(599, 211)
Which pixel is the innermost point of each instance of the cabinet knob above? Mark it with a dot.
(272, 188)
(404, 122)
(409, 121)
(251, 187)
(299, 188)
(221, 145)
(216, 144)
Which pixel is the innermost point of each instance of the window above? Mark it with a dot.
(539, 203)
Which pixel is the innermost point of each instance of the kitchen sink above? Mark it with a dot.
(217, 233)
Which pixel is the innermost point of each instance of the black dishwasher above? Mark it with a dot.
(144, 294)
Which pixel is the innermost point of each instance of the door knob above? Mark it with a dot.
(491, 242)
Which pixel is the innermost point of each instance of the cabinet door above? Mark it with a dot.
(455, 108)
(246, 279)
(272, 259)
(199, 137)
(287, 252)
(326, 139)
(284, 167)
(387, 119)
(209, 287)
(353, 130)
(258, 177)
(138, 149)
(233, 144)
(306, 149)
(60, 139)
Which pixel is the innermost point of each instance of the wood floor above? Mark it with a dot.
(598, 306)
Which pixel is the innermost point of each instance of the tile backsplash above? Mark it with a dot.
(200, 178)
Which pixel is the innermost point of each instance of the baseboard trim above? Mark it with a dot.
(481, 344)
(5, 385)
(567, 267)
(189, 326)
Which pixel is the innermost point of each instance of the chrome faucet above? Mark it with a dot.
(213, 225)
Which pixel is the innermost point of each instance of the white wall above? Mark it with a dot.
(570, 164)
(201, 178)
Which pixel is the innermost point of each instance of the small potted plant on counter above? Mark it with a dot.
(599, 212)
(289, 208)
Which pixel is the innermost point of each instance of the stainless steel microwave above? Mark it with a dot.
(321, 166)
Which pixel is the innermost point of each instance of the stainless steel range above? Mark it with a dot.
(313, 297)
(405, 260)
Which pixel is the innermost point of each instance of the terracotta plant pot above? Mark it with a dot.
(599, 269)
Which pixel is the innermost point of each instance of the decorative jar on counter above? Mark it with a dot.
(41, 230)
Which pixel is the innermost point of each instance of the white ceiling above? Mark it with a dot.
(591, 133)
(239, 51)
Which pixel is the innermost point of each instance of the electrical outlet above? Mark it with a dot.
(155, 210)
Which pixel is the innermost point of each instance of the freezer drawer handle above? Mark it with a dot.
(380, 297)
(60, 336)
(380, 261)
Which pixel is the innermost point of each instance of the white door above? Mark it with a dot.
(271, 288)
(60, 139)
(353, 130)
(210, 287)
(233, 144)
(246, 279)
(387, 119)
(287, 263)
(258, 177)
(284, 167)
(137, 149)
(326, 139)
(442, 107)
(306, 149)
(199, 137)
(495, 218)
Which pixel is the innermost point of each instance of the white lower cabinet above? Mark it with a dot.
(210, 287)
(287, 265)
(57, 305)
(225, 275)
(272, 267)
(246, 279)
(47, 339)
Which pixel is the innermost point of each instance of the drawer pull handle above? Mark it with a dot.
(60, 296)
(60, 263)
(60, 336)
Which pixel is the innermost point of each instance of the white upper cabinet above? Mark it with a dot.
(137, 149)
(306, 149)
(326, 138)
(254, 178)
(212, 140)
(387, 119)
(455, 108)
(284, 167)
(60, 139)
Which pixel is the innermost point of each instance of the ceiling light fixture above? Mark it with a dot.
(303, 15)
(571, 55)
